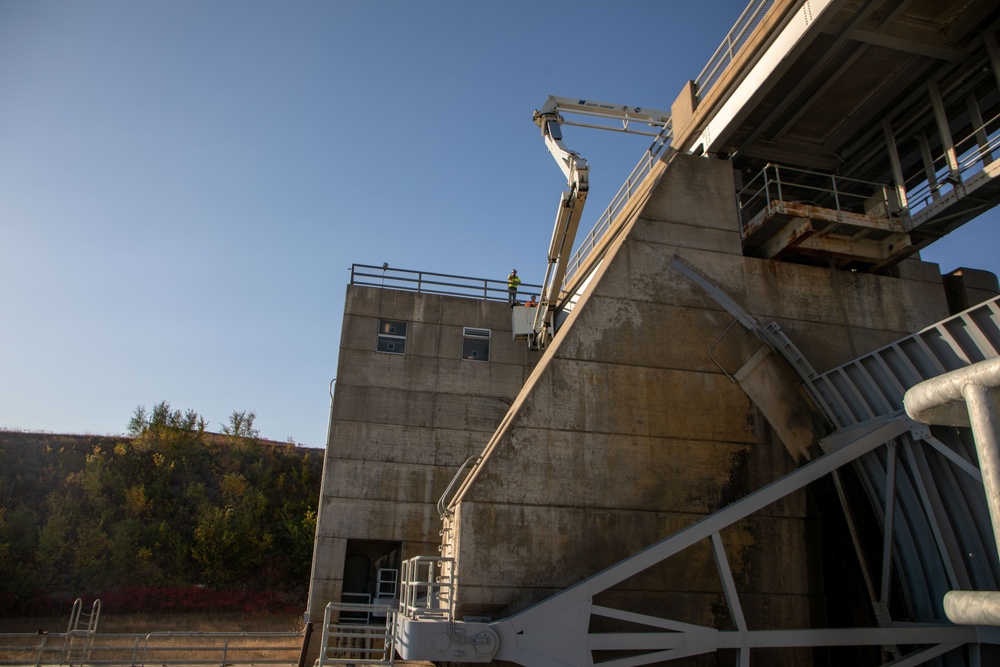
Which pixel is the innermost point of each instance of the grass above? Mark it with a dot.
(127, 636)
(242, 652)
(136, 623)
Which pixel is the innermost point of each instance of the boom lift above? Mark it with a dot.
(549, 118)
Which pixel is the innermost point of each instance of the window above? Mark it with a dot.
(476, 344)
(391, 337)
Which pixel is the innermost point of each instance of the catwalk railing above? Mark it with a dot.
(717, 64)
(973, 151)
(427, 282)
(155, 648)
(731, 45)
(775, 185)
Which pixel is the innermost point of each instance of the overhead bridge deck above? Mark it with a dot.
(881, 114)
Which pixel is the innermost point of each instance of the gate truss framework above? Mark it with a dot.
(556, 631)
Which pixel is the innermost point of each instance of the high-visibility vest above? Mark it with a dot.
(513, 281)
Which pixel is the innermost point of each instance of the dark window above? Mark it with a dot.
(476, 344)
(391, 337)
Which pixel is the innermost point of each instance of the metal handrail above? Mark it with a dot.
(356, 642)
(731, 45)
(442, 506)
(775, 185)
(136, 650)
(427, 282)
(423, 593)
(921, 190)
(618, 203)
(710, 74)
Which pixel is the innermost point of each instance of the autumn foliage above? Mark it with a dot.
(169, 518)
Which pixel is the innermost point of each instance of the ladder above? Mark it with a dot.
(80, 633)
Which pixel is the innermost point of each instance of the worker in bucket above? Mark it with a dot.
(531, 303)
(512, 282)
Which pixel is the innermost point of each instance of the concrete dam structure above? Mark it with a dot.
(709, 462)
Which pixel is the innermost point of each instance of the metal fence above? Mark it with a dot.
(731, 45)
(155, 648)
(357, 634)
(776, 185)
(717, 64)
(426, 282)
(618, 203)
(979, 147)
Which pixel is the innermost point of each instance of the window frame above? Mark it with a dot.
(385, 341)
(477, 337)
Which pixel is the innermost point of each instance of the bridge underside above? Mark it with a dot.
(902, 93)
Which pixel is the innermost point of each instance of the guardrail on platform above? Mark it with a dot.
(711, 73)
(357, 634)
(775, 185)
(156, 648)
(427, 588)
(426, 282)
(979, 147)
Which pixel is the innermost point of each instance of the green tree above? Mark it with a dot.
(169, 505)
(240, 426)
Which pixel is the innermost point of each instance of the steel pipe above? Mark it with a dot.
(968, 397)
(940, 400)
(973, 607)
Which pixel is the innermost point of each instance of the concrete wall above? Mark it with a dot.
(969, 287)
(624, 431)
(627, 430)
(401, 425)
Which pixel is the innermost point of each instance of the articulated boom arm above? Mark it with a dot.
(573, 199)
(571, 204)
(627, 115)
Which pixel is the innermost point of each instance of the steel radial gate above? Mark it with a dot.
(929, 498)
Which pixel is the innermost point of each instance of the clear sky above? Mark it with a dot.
(185, 184)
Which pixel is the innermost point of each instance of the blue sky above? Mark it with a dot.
(184, 185)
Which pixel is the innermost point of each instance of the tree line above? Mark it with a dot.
(170, 505)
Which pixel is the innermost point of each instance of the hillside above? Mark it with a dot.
(172, 515)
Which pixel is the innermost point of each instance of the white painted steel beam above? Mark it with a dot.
(798, 33)
(723, 639)
(887, 525)
(969, 396)
(944, 128)
(552, 632)
(897, 170)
